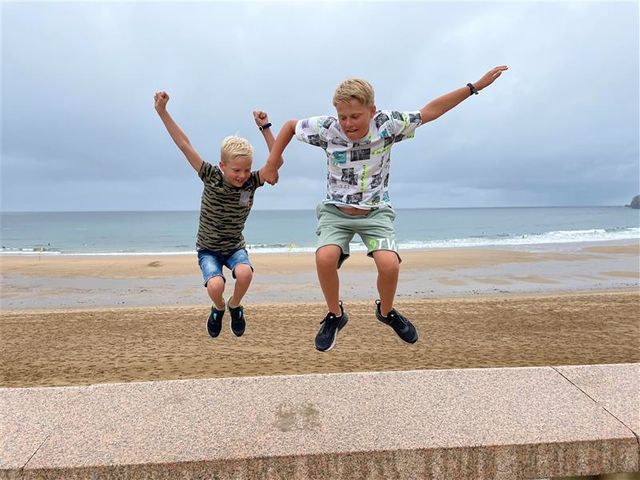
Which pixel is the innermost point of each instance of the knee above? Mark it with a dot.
(215, 284)
(389, 268)
(327, 257)
(388, 263)
(243, 273)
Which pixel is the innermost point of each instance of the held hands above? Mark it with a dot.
(269, 175)
(489, 77)
(161, 98)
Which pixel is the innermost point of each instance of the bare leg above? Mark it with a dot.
(243, 274)
(388, 266)
(215, 289)
(327, 268)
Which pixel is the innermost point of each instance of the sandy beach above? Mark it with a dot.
(77, 320)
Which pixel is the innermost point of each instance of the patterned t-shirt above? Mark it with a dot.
(223, 210)
(358, 172)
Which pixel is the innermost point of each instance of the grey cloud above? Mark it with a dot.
(78, 81)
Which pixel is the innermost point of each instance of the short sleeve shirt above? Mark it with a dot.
(224, 210)
(358, 172)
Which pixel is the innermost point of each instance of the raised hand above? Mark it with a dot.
(161, 98)
(261, 118)
(489, 77)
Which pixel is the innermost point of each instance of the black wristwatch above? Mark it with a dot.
(472, 89)
(264, 127)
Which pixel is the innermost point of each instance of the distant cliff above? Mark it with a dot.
(635, 202)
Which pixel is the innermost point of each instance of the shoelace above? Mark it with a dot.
(396, 317)
(326, 320)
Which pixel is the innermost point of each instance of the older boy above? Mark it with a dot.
(358, 144)
(226, 202)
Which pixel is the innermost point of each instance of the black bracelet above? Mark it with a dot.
(264, 127)
(472, 89)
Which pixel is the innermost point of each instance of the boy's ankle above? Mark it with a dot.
(337, 313)
(217, 307)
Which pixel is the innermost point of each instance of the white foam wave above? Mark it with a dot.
(560, 236)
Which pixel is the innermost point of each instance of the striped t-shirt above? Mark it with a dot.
(223, 210)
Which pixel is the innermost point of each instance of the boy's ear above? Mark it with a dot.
(372, 110)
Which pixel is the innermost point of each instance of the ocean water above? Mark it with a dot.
(111, 233)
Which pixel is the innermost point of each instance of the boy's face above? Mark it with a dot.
(237, 170)
(354, 118)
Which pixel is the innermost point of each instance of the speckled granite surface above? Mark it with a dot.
(615, 387)
(473, 423)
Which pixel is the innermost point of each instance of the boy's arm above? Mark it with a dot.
(178, 136)
(263, 123)
(446, 102)
(269, 173)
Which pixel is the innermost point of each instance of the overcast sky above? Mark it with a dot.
(79, 131)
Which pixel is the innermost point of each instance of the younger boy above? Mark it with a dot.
(357, 144)
(227, 199)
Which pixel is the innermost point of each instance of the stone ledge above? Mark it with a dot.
(498, 423)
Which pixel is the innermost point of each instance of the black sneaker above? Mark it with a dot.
(401, 325)
(329, 328)
(237, 320)
(214, 324)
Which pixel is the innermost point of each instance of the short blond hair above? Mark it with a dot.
(233, 147)
(356, 88)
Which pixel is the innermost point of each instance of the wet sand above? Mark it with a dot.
(54, 282)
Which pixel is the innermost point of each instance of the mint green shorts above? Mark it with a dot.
(338, 228)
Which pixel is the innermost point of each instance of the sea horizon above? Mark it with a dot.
(162, 232)
(256, 209)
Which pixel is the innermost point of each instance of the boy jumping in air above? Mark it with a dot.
(227, 199)
(357, 143)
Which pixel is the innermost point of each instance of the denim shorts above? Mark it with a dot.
(211, 263)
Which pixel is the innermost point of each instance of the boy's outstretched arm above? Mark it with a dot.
(178, 136)
(446, 102)
(262, 119)
(269, 173)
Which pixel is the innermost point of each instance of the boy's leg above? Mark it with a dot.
(327, 259)
(388, 266)
(211, 267)
(243, 275)
(379, 236)
(334, 235)
(242, 271)
(215, 289)
(327, 262)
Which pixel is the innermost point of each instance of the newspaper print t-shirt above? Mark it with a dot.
(223, 210)
(358, 172)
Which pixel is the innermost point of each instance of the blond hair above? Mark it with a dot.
(356, 88)
(233, 147)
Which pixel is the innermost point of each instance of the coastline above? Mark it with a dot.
(85, 281)
(86, 320)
